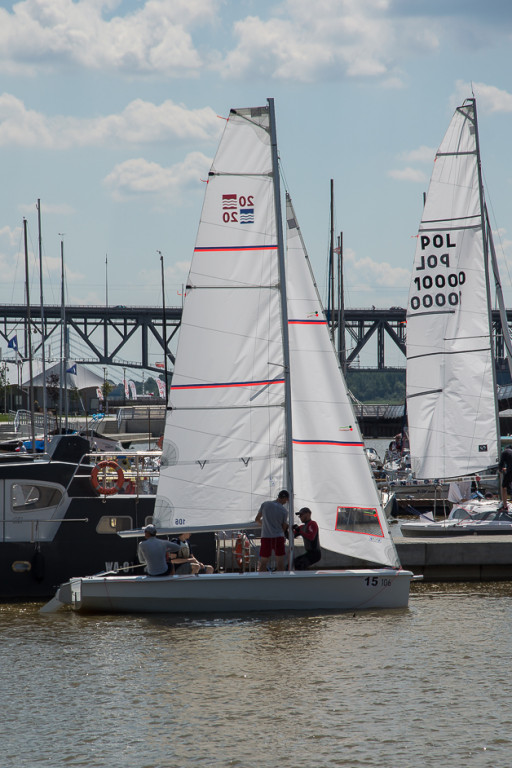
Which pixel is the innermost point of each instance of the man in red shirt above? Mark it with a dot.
(308, 529)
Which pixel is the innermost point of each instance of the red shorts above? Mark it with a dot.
(276, 544)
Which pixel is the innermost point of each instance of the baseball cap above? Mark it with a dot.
(151, 529)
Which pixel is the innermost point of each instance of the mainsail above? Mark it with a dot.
(451, 406)
(224, 441)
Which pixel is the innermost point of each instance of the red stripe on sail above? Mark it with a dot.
(341, 443)
(228, 384)
(236, 248)
(307, 322)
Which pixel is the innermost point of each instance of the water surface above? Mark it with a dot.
(427, 686)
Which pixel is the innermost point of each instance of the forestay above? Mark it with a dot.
(331, 471)
(450, 374)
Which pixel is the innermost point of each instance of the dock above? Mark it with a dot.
(450, 558)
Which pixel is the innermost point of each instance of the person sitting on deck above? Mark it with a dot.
(153, 551)
(183, 561)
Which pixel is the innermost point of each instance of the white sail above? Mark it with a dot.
(225, 447)
(450, 375)
(224, 443)
(331, 472)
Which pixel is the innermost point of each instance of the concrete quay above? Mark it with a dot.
(450, 558)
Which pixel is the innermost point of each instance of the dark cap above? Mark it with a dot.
(303, 511)
(150, 529)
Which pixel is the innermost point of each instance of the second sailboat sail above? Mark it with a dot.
(450, 372)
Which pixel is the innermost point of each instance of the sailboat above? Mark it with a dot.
(257, 404)
(451, 383)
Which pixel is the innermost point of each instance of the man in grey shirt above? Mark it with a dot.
(273, 518)
(153, 551)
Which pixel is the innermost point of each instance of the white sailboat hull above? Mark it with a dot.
(345, 590)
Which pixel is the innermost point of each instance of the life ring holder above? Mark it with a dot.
(104, 465)
(242, 551)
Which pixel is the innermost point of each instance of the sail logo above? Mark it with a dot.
(438, 283)
(238, 209)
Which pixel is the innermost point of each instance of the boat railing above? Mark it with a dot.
(124, 472)
(236, 551)
(22, 422)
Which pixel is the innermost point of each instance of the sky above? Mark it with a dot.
(111, 112)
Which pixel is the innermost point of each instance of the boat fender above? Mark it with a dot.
(242, 553)
(107, 490)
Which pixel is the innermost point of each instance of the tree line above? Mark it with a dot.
(377, 386)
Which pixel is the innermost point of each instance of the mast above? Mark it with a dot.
(29, 343)
(63, 375)
(331, 267)
(342, 353)
(164, 324)
(507, 341)
(284, 317)
(485, 244)
(43, 329)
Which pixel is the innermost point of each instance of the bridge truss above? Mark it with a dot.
(127, 336)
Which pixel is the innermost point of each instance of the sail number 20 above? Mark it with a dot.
(374, 581)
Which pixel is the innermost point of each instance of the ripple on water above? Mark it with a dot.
(428, 686)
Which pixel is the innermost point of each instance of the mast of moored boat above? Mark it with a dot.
(43, 326)
(485, 245)
(284, 320)
(29, 343)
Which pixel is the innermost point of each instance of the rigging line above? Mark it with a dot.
(497, 230)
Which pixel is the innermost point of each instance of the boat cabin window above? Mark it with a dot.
(114, 523)
(26, 496)
(459, 514)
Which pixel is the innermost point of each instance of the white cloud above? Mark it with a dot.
(422, 154)
(141, 122)
(58, 209)
(383, 273)
(327, 39)
(408, 174)
(139, 176)
(154, 38)
(489, 98)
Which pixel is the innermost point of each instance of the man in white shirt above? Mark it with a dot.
(273, 519)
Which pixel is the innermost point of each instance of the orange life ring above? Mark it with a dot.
(104, 489)
(242, 553)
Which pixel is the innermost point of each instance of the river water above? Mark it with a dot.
(427, 686)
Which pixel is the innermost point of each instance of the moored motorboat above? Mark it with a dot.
(474, 517)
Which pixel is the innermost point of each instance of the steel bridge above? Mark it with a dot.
(107, 335)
